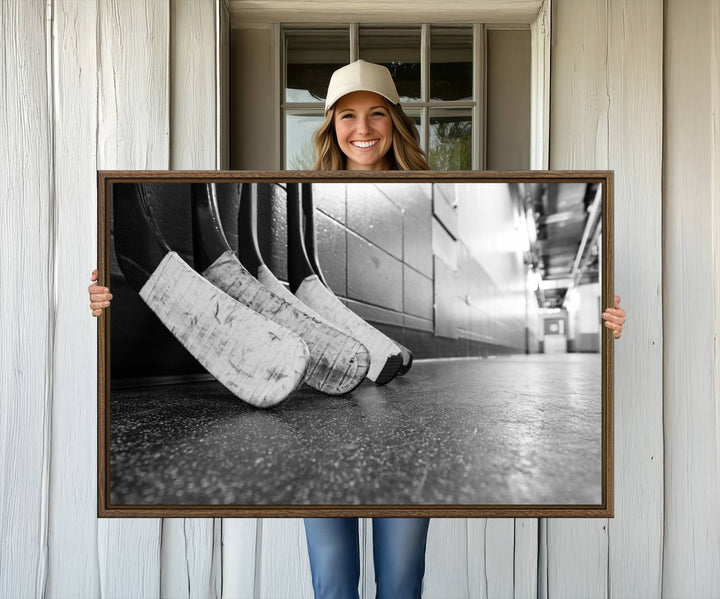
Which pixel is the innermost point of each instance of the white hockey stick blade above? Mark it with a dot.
(338, 361)
(267, 278)
(260, 361)
(385, 357)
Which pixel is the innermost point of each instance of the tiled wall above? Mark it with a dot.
(395, 253)
(431, 265)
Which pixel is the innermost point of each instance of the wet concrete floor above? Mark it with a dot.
(506, 431)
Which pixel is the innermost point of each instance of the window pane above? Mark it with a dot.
(399, 51)
(451, 56)
(311, 58)
(450, 140)
(299, 150)
(414, 115)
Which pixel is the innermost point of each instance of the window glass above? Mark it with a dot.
(311, 57)
(451, 63)
(414, 115)
(299, 149)
(398, 50)
(450, 146)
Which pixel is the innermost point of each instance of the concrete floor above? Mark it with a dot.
(516, 430)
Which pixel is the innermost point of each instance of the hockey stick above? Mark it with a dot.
(385, 357)
(338, 362)
(308, 207)
(261, 362)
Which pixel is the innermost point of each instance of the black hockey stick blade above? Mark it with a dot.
(209, 241)
(259, 361)
(298, 264)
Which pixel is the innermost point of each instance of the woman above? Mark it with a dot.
(365, 129)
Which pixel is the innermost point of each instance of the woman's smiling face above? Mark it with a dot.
(364, 130)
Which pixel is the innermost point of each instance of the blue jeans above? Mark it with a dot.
(398, 552)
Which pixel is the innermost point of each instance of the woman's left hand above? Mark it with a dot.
(615, 318)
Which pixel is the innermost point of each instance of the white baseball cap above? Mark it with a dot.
(361, 76)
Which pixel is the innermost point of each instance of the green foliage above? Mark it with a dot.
(450, 145)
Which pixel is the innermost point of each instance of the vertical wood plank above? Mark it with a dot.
(193, 85)
(476, 561)
(222, 17)
(579, 97)
(635, 88)
(500, 557)
(284, 569)
(577, 558)
(133, 103)
(129, 558)
(187, 558)
(577, 551)
(187, 544)
(692, 403)
(525, 583)
(239, 559)
(26, 296)
(715, 191)
(540, 89)
(490, 558)
(447, 559)
(72, 550)
(133, 132)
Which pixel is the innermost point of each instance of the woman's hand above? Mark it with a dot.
(615, 318)
(99, 296)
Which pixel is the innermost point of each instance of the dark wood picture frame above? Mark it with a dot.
(106, 179)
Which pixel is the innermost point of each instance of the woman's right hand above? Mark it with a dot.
(99, 296)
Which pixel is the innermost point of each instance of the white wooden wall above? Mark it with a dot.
(606, 112)
(691, 299)
(118, 84)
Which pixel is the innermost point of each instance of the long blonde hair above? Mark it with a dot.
(405, 153)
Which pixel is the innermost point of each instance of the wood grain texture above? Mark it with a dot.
(577, 558)
(190, 567)
(239, 557)
(499, 541)
(338, 362)
(577, 551)
(193, 85)
(72, 543)
(27, 207)
(635, 89)
(284, 569)
(132, 130)
(490, 563)
(289, 11)
(692, 402)
(129, 546)
(133, 111)
(540, 33)
(186, 563)
(448, 559)
(579, 99)
(259, 361)
(715, 194)
(525, 573)
(222, 61)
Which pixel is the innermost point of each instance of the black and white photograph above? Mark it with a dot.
(384, 343)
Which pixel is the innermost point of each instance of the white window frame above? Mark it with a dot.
(476, 106)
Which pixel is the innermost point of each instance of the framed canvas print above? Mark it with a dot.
(382, 344)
